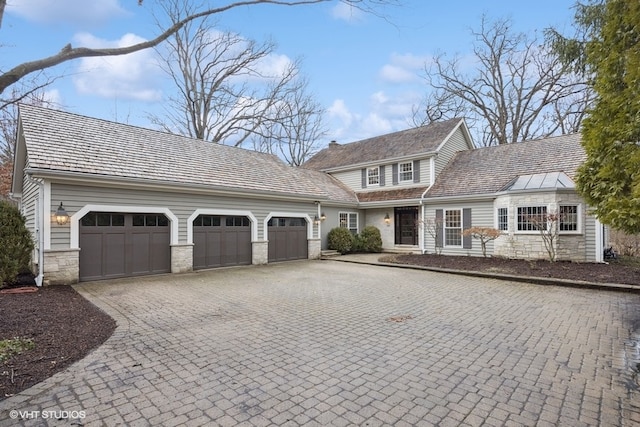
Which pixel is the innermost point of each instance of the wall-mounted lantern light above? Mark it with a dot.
(316, 220)
(322, 216)
(62, 217)
(387, 220)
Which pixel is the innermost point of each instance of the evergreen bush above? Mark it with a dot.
(16, 243)
(340, 239)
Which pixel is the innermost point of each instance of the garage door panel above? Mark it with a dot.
(113, 260)
(120, 245)
(287, 239)
(221, 241)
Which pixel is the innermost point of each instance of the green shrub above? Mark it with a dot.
(16, 244)
(340, 239)
(370, 240)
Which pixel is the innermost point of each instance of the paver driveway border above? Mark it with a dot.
(329, 343)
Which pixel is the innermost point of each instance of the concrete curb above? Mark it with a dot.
(525, 279)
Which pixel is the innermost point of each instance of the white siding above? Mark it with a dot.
(481, 216)
(180, 204)
(455, 143)
(353, 178)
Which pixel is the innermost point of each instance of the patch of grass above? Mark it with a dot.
(9, 347)
(628, 261)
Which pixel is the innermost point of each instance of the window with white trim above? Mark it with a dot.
(453, 227)
(532, 218)
(349, 220)
(503, 219)
(568, 218)
(405, 172)
(373, 176)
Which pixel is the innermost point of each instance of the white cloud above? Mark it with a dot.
(403, 68)
(274, 65)
(346, 12)
(78, 12)
(132, 76)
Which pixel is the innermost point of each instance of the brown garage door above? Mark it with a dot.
(221, 241)
(120, 245)
(287, 239)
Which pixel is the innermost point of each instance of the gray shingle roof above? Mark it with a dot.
(491, 169)
(423, 139)
(67, 142)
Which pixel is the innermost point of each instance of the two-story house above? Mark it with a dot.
(390, 175)
(106, 199)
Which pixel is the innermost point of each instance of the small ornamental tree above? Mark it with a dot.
(370, 239)
(485, 234)
(16, 244)
(547, 224)
(433, 226)
(340, 239)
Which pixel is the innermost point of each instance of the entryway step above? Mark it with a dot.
(329, 254)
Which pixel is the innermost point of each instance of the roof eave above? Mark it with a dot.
(90, 179)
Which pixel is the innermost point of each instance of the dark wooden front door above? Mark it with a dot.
(406, 225)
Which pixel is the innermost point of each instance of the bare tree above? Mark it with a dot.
(296, 128)
(516, 89)
(68, 53)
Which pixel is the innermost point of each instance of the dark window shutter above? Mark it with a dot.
(466, 223)
(364, 178)
(394, 171)
(381, 176)
(416, 171)
(439, 228)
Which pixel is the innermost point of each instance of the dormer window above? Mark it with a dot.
(373, 176)
(405, 172)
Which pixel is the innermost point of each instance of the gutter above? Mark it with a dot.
(39, 228)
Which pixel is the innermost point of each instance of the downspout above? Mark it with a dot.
(432, 174)
(39, 227)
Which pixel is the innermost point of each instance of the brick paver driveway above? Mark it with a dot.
(330, 343)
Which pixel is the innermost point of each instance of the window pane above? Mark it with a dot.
(138, 220)
(198, 221)
(503, 219)
(343, 220)
(89, 220)
(406, 171)
(453, 227)
(532, 218)
(163, 221)
(104, 220)
(117, 220)
(151, 220)
(569, 218)
(373, 175)
(206, 221)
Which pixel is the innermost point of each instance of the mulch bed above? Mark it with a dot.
(63, 325)
(614, 272)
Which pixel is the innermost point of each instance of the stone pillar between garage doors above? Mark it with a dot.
(314, 248)
(260, 252)
(61, 266)
(181, 258)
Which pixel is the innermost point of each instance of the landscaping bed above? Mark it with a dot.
(623, 271)
(61, 325)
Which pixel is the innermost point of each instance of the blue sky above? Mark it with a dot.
(364, 69)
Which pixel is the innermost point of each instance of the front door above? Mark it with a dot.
(406, 230)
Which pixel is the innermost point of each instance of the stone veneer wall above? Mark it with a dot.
(61, 266)
(260, 252)
(181, 258)
(314, 248)
(570, 247)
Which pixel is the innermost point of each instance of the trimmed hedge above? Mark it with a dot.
(340, 239)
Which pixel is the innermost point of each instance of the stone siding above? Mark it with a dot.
(314, 248)
(260, 251)
(181, 258)
(61, 267)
